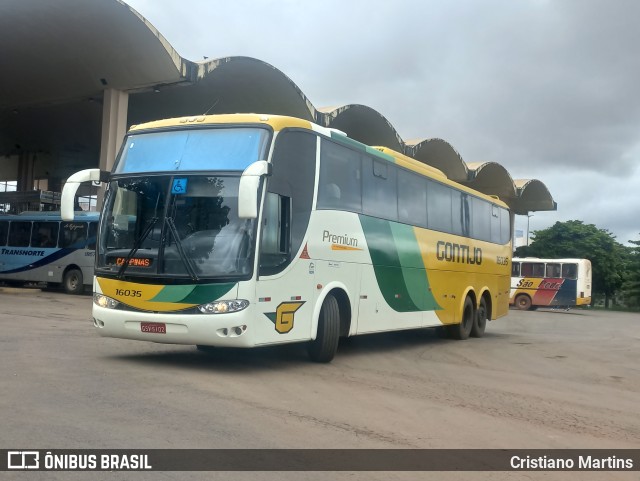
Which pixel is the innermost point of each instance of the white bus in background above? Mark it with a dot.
(41, 247)
(550, 282)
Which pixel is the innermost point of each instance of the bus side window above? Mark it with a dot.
(73, 234)
(439, 207)
(275, 244)
(44, 234)
(553, 270)
(538, 269)
(19, 234)
(569, 271)
(532, 269)
(4, 231)
(379, 189)
(341, 167)
(93, 232)
(515, 269)
(412, 198)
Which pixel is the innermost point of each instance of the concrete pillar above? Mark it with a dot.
(114, 127)
(26, 163)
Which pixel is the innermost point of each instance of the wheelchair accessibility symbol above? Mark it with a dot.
(179, 186)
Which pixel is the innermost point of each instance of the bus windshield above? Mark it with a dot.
(184, 226)
(194, 149)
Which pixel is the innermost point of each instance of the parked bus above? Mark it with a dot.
(40, 247)
(245, 230)
(550, 282)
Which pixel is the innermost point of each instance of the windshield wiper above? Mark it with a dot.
(136, 245)
(183, 256)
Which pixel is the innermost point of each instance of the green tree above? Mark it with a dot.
(576, 239)
(631, 287)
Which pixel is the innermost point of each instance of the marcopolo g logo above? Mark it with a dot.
(23, 460)
(284, 316)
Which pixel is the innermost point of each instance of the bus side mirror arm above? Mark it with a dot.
(248, 189)
(67, 200)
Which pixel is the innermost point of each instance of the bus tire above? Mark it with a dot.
(461, 331)
(523, 302)
(72, 282)
(324, 347)
(480, 319)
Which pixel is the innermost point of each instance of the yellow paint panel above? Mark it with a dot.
(340, 247)
(138, 295)
(450, 281)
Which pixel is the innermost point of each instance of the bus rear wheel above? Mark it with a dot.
(461, 331)
(480, 320)
(323, 347)
(72, 283)
(523, 302)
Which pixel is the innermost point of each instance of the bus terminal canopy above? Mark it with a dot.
(77, 74)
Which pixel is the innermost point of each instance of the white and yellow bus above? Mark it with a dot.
(246, 230)
(539, 282)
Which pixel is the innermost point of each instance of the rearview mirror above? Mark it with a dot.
(67, 200)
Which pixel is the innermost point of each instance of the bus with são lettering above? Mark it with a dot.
(247, 230)
(40, 247)
(559, 283)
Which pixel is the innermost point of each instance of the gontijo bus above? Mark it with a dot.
(539, 282)
(40, 247)
(245, 230)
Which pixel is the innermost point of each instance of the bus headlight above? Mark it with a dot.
(104, 301)
(221, 307)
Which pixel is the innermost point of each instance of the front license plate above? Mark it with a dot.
(153, 327)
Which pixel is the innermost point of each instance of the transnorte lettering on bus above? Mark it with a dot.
(22, 252)
(463, 254)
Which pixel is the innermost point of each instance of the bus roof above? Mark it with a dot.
(277, 122)
(541, 259)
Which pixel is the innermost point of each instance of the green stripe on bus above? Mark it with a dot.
(343, 139)
(193, 294)
(382, 155)
(398, 265)
(412, 265)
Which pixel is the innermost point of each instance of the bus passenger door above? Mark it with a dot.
(285, 285)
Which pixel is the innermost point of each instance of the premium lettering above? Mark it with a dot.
(344, 240)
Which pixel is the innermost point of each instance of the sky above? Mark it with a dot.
(549, 89)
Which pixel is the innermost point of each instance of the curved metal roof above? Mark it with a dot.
(440, 154)
(69, 50)
(363, 124)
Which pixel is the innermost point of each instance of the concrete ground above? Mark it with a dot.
(541, 379)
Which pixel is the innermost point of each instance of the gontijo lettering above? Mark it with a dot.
(460, 253)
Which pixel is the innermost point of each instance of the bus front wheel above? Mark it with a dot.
(72, 282)
(323, 347)
(523, 302)
(461, 331)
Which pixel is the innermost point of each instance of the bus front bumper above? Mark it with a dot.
(229, 329)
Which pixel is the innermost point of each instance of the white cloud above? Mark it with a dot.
(548, 89)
